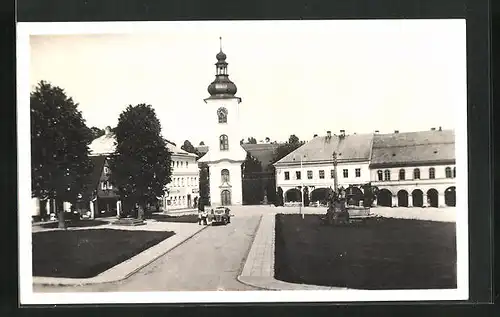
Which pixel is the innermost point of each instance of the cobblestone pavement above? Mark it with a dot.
(210, 261)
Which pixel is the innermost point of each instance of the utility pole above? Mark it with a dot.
(334, 157)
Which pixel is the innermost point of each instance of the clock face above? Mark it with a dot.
(222, 111)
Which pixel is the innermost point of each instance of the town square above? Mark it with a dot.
(210, 162)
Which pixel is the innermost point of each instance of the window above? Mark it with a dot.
(416, 173)
(106, 185)
(106, 170)
(432, 173)
(222, 115)
(173, 163)
(309, 174)
(387, 175)
(287, 176)
(358, 172)
(224, 175)
(187, 164)
(182, 181)
(447, 171)
(177, 163)
(345, 172)
(332, 174)
(298, 175)
(224, 143)
(402, 174)
(380, 175)
(321, 174)
(182, 163)
(454, 172)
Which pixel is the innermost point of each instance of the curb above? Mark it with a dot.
(99, 280)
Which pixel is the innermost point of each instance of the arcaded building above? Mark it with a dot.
(411, 169)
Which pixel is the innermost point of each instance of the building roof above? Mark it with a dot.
(92, 181)
(106, 145)
(264, 152)
(423, 147)
(354, 147)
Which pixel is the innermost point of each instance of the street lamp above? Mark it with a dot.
(334, 158)
(301, 186)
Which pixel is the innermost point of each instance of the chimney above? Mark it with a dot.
(329, 134)
(377, 131)
(440, 129)
(342, 133)
(433, 129)
(396, 131)
(107, 130)
(315, 135)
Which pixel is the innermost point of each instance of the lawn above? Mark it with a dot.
(190, 218)
(384, 253)
(87, 253)
(76, 224)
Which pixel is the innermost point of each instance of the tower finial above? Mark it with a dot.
(220, 40)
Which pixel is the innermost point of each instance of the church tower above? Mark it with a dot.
(225, 154)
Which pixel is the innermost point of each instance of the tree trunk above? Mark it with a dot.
(62, 223)
(140, 212)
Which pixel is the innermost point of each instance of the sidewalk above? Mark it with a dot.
(183, 232)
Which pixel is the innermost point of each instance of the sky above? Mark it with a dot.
(294, 77)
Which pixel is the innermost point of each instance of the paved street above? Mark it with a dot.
(209, 261)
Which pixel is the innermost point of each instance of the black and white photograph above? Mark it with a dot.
(242, 161)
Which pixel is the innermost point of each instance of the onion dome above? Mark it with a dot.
(222, 86)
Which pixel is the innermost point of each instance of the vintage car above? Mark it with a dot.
(219, 215)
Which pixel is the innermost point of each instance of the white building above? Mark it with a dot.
(183, 191)
(412, 169)
(317, 172)
(415, 168)
(225, 154)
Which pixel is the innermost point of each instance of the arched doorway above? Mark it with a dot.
(319, 194)
(225, 197)
(402, 198)
(354, 195)
(417, 197)
(432, 197)
(384, 198)
(450, 196)
(292, 195)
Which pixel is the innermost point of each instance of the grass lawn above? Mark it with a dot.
(87, 253)
(192, 218)
(384, 253)
(76, 223)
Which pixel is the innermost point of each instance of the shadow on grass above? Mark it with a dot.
(75, 224)
(381, 253)
(192, 218)
(87, 253)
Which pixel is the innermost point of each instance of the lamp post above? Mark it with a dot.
(301, 187)
(334, 159)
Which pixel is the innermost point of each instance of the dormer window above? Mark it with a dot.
(222, 115)
(224, 176)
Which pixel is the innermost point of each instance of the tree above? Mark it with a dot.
(305, 199)
(286, 148)
(369, 194)
(252, 183)
(59, 146)
(202, 143)
(204, 183)
(96, 132)
(279, 197)
(141, 166)
(188, 147)
(251, 140)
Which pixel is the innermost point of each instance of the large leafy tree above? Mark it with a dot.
(253, 191)
(96, 132)
(189, 147)
(204, 183)
(141, 166)
(284, 149)
(59, 146)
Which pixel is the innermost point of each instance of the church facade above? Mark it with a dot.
(225, 155)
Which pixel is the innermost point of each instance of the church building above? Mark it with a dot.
(225, 155)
